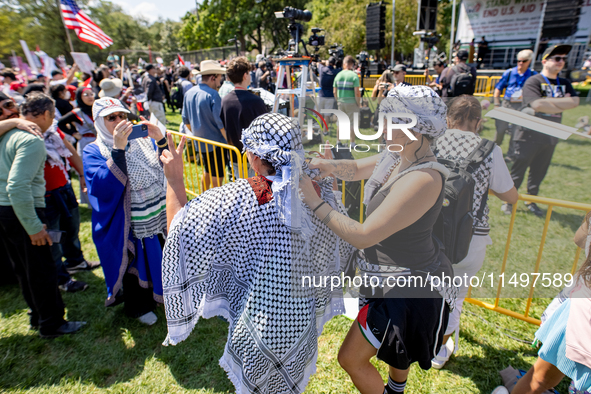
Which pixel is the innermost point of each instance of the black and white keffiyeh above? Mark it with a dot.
(147, 184)
(278, 139)
(57, 153)
(421, 101)
(228, 256)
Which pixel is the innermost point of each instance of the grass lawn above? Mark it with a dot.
(114, 354)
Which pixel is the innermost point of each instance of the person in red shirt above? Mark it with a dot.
(61, 208)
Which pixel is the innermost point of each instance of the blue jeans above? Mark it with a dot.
(62, 213)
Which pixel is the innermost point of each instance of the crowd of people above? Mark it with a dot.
(241, 248)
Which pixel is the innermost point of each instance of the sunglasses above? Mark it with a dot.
(522, 61)
(88, 94)
(559, 58)
(8, 104)
(115, 116)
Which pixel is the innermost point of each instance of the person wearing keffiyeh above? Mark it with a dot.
(240, 251)
(404, 322)
(126, 190)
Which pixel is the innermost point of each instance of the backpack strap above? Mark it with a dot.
(477, 156)
(429, 165)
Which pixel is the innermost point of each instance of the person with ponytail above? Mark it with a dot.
(464, 122)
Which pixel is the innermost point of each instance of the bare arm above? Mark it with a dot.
(497, 97)
(21, 124)
(335, 92)
(413, 195)
(554, 105)
(358, 96)
(172, 161)
(348, 170)
(223, 131)
(75, 159)
(581, 234)
(509, 196)
(71, 74)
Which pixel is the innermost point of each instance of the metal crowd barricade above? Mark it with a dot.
(485, 86)
(194, 172)
(551, 203)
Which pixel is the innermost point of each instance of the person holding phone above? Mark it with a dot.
(126, 190)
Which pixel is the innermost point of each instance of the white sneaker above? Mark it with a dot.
(149, 318)
(444, 354)
(500, 390)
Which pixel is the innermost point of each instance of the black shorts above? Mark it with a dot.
(213, 162)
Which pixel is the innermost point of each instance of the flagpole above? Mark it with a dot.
(59, 9)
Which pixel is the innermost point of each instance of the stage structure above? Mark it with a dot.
(512, 25)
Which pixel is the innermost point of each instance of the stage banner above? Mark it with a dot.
(500, 21)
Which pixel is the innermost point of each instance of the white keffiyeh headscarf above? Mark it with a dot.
(278, 139)
(431, 113)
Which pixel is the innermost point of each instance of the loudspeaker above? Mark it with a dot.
(427, 15)
(375, 26)
(561, 18)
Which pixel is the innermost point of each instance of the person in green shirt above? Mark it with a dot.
(346, 91)
(22, 231)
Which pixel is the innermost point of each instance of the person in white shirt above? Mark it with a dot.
(464, 122)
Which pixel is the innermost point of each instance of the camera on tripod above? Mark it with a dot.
(315, 40)
(431, 39)
(336, 51)
(294, 14)
(363, 59)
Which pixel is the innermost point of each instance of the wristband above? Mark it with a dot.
(163, 145)
(318, 206)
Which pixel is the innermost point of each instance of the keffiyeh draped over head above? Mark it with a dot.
(57, 153)
(278, 139)
(423, 102)
(145, 174)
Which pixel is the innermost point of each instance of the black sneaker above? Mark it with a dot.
(83, 266)
(68, 327)
(533, 208)
(72, 286)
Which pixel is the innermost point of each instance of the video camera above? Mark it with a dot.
(431, 40)
(316, 40)
(363, 59)
(336, 51)
(294, 14)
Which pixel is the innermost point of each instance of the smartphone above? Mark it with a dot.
(138, 131)
(56, 236)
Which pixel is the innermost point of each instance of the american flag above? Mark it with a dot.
(86, 29)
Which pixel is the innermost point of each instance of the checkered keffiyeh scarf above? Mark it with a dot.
(278, 139)
(228, 256)
(421, 101)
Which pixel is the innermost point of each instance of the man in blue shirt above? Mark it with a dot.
(512, 81)
(201, 115)
(327, 75)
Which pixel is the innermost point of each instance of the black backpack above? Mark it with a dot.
(455, 224)
(462, 82)
(177, 95)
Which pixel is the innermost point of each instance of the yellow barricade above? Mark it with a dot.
(482, 86)
(415, 79)
(195, 173)
(551, 203)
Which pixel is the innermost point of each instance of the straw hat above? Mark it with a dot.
(110, 87)
(209, 67)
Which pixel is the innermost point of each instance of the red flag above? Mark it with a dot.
(181, 59)
(87, 82)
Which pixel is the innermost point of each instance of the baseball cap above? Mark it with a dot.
(56, 72)
(149, 67)
(3, 97)
(399, 67)
(560, 49)
(462, 54)
(106, 106)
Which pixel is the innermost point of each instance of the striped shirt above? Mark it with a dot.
(346, 81)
